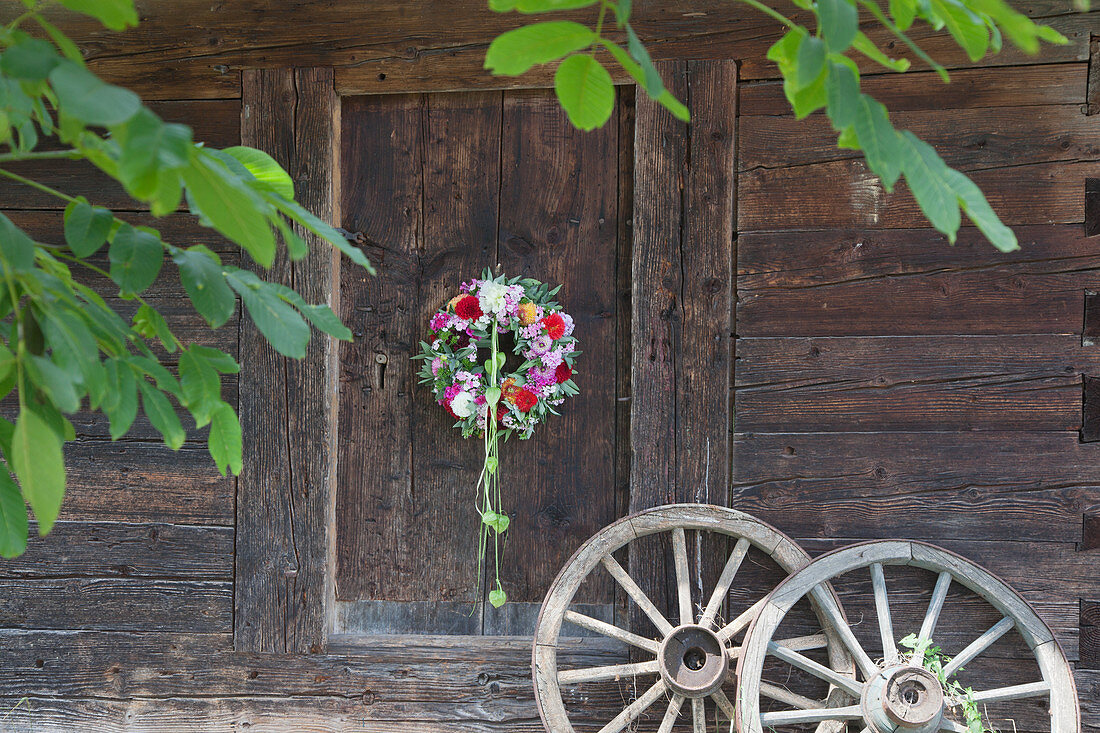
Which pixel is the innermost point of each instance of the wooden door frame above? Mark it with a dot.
(681, 344)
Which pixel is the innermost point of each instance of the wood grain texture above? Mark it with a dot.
(559, 224)
(288, 407)
(912, 282)
(910, 383)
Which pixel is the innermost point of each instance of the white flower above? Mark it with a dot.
(491, 297)
(463, 404)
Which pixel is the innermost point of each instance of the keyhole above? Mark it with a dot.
(380, 370)
(695, 658)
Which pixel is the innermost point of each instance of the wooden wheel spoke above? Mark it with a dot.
(671, 714)
(953, 727)
(739, 624)
(636, 594)
(723, 703)
(827, 605)
(610, 672)
(698, 716)
(797, 643)
(725, 580)
(635, 709)
(783, 695)
(932, 617)
(978, 646)
(817, 715)
(605, 629)
(683, 580)
(882, 610)
(1014, 692)
(820, 671)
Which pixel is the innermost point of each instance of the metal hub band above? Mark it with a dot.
(693, 661)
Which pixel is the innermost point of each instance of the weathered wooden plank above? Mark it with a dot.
(287, 407)
(377, 380)
(145, 482)
(970, 139)
(1092, 99)
(117, 549)
(969, 89)
(933, 485)
(559, 224)
(117, 604)
(910, 383)
(1090, 410)
(436, 558)
(1092, 207)
(217, 123)
(908, 282)
(844, 193)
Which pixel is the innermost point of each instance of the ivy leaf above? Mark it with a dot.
(839, 21)
(515, 52)
(204, 280)
(86, 227)
(114, 14)
(264, 169)
(229, 206)
(161, 415)
(39, 464)
(585, 91)
(13, 517)
(225, 442)
(280, 324)
(88, 98)
(136, 258)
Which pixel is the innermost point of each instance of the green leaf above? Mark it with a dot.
(974, 203)
(809, 61)
(280, 324)
(56, 383)
(325, 231)
(879, 140)
(16, 248)
(808, 99)
(32, 59)
(865, 46)
(264, 169)
(75, 349)
(839, 22)
(665, 99)
(201, 386)
(926, 173)
(903, 12)
(492, 395)
(136, 258)
(121, 403)
(842, 93)
(204, 280)
(13, 517)
(652, 80)
(161, 415)
(497, 597)
(216, 358)
(966, 28)
(515, 52)
(63, 42)
(321, 316)
(86, 227)
(224, 442)
(152, 151)
(498, 522)
(39, 463)
(546, 6)
(585, 91)
(114, 14)
(151, 324)
(229, 206)
(85, 96)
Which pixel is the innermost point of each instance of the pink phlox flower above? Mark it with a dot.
(568, 320)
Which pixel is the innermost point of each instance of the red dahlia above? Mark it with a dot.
(562, 373)
(468, 308)
(554, 325)
(525, 400)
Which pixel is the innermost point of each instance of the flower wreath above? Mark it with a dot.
(543, 337)
(521, 310)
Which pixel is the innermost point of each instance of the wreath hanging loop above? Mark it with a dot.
(501, 347)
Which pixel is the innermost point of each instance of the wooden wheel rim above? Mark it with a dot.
(1055, 669)
(730, 522)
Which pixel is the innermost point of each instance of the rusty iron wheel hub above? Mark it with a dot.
(905, 698)
(693, 661)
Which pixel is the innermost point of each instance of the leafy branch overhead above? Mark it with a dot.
(63, 345)
(818, 63)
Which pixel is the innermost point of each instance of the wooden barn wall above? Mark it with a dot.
(885, 383)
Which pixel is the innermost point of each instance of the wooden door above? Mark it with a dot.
(442, 186)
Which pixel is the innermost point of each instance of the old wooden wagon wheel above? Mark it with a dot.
(693, 652)
(897, 691)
